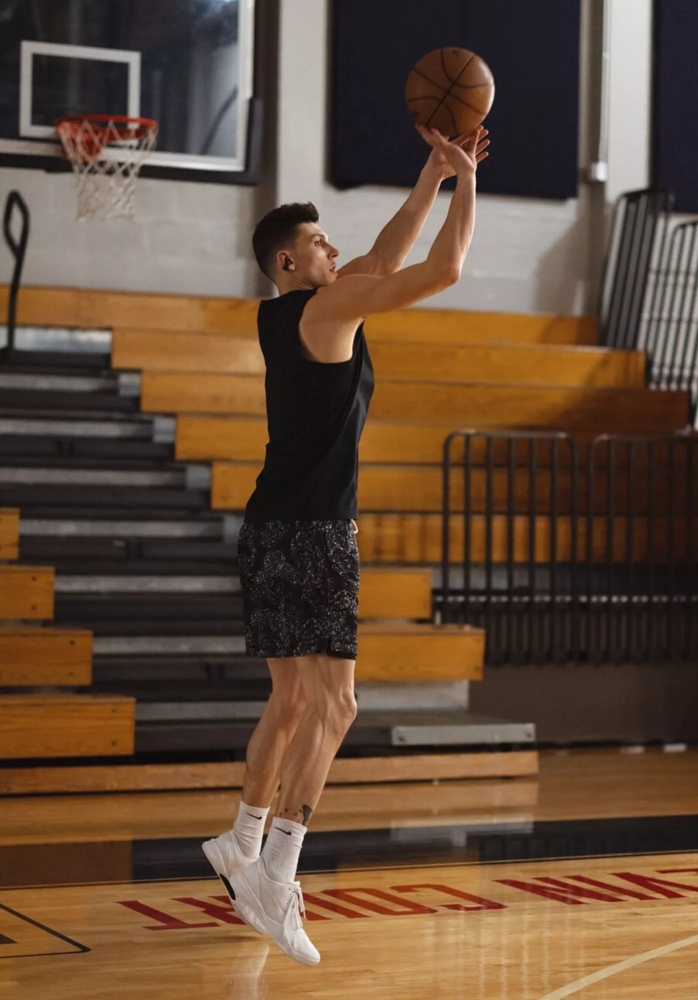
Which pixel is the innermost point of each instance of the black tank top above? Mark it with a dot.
(315, 415)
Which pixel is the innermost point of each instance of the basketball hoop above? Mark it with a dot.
(107, 153)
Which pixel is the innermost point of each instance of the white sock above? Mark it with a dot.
(282, 849)
(249, 828)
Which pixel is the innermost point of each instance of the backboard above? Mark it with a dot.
(186, 63)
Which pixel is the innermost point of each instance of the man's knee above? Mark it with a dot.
(338, 709)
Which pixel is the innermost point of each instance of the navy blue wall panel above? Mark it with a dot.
(532, 47)
(676, 100)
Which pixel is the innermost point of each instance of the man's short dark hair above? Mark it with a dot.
(277, 229)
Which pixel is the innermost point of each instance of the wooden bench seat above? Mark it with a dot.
(514, 364)
(574, 409)
(45, 656)
(46, 306)
(65, 725)
(419, 488)
(205, 438)
(9, 533)
(395, 593)
(26, 592)
(397, 652)
(417, 538)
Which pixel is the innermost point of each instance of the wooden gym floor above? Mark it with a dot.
(583, 883)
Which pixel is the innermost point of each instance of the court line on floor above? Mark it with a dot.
(613, 970)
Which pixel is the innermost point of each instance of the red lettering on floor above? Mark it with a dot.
(662, 886)
(479, 901)
(572, 895)
(165, 920)
(611, 888)
(224, 913)
(407, 907)
(327, 904)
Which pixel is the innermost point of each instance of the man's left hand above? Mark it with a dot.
(437, 162)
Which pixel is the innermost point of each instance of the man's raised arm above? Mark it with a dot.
(397, 238)
(333, 313)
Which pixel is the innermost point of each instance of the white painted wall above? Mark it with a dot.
(528, 255)
(189, 238)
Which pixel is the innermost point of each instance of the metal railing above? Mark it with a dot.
(649, 296)
(638, 234)
(18, 249)
(669, 330)
(565, 559)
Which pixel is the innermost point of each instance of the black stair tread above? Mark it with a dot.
(56, 400)
(79, 513)
(80, 555)
(95, 464)
(34, 448)
(185, 692)
(49, 495)
(79, 361)
(228, 734)
(176, 627)
(192, 549)
(238, 665)
(130, 565)
(46, 412)
(71, 549)
(129, 556)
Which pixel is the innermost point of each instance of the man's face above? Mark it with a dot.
(313, 256)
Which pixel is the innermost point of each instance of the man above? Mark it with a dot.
(298, 556)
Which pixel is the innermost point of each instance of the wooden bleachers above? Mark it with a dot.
(34, 657)
(419, 488)
(206, 438)
(89, 308)
(65, 725)
(623, 410)
(9, 533)
(417, 538)
(389, 652)
(395, 593)
(26, 592)
(60, 724)
(515, 364)
(436, 370)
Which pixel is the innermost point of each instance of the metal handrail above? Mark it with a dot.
(18, 249)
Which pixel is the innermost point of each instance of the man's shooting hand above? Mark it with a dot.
(463, 153)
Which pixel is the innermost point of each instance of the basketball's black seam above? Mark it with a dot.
(432, 82)
(467, 104)
(448, 92)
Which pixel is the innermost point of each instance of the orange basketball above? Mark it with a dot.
(451, 90)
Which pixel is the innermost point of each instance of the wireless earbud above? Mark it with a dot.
(288, 263)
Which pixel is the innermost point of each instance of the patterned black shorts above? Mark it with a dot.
(300, 588)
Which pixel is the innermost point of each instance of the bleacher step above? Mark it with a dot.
(136, 426)
(63, 476)
(91, 527)
(42, 382)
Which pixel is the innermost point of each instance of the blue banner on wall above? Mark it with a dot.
(532, 47)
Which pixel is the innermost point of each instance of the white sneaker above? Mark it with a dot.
(277, 907)
(227, 860)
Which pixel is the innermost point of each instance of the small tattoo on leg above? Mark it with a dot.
(307, 813)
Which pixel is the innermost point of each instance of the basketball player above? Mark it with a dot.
(298, 556)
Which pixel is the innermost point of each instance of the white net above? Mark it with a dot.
(107, 155)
